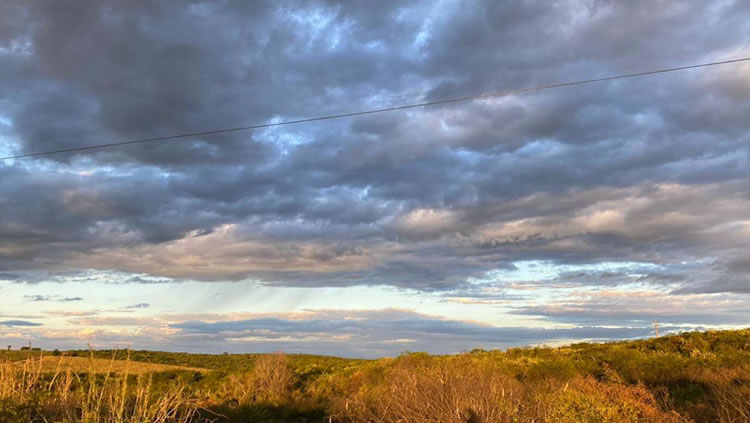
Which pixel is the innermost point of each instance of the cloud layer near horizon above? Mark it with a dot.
(364, 333)
(651, 173)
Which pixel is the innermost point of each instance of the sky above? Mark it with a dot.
(573, 214)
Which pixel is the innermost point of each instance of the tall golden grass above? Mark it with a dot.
(28, 394)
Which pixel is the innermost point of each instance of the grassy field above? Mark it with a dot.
(692, 377)
(49, 364)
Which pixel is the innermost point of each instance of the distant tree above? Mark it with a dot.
(8, 347)
(25, 348)
(56, 352)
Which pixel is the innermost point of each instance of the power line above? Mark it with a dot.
(369, 112)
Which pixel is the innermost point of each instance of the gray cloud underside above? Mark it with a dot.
(18, 323)
(389, 332)
(46, 298)
(137, 306)
(650, 170)
(363, 333)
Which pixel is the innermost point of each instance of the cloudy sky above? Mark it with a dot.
(580, 213)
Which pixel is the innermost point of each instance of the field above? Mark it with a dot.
(692, 377)
(49, 364)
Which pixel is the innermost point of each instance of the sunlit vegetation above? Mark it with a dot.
(692, 377)
(28, 393)
(51, 363)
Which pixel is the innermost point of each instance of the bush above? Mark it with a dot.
(588, 400)
(730, 389)
(456, 389)
(271, 381)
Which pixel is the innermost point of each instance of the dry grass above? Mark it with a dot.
(29, 393)
(51, 364)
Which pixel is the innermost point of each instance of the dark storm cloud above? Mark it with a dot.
(652, 170)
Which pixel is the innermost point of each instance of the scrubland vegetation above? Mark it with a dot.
(693, 377)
